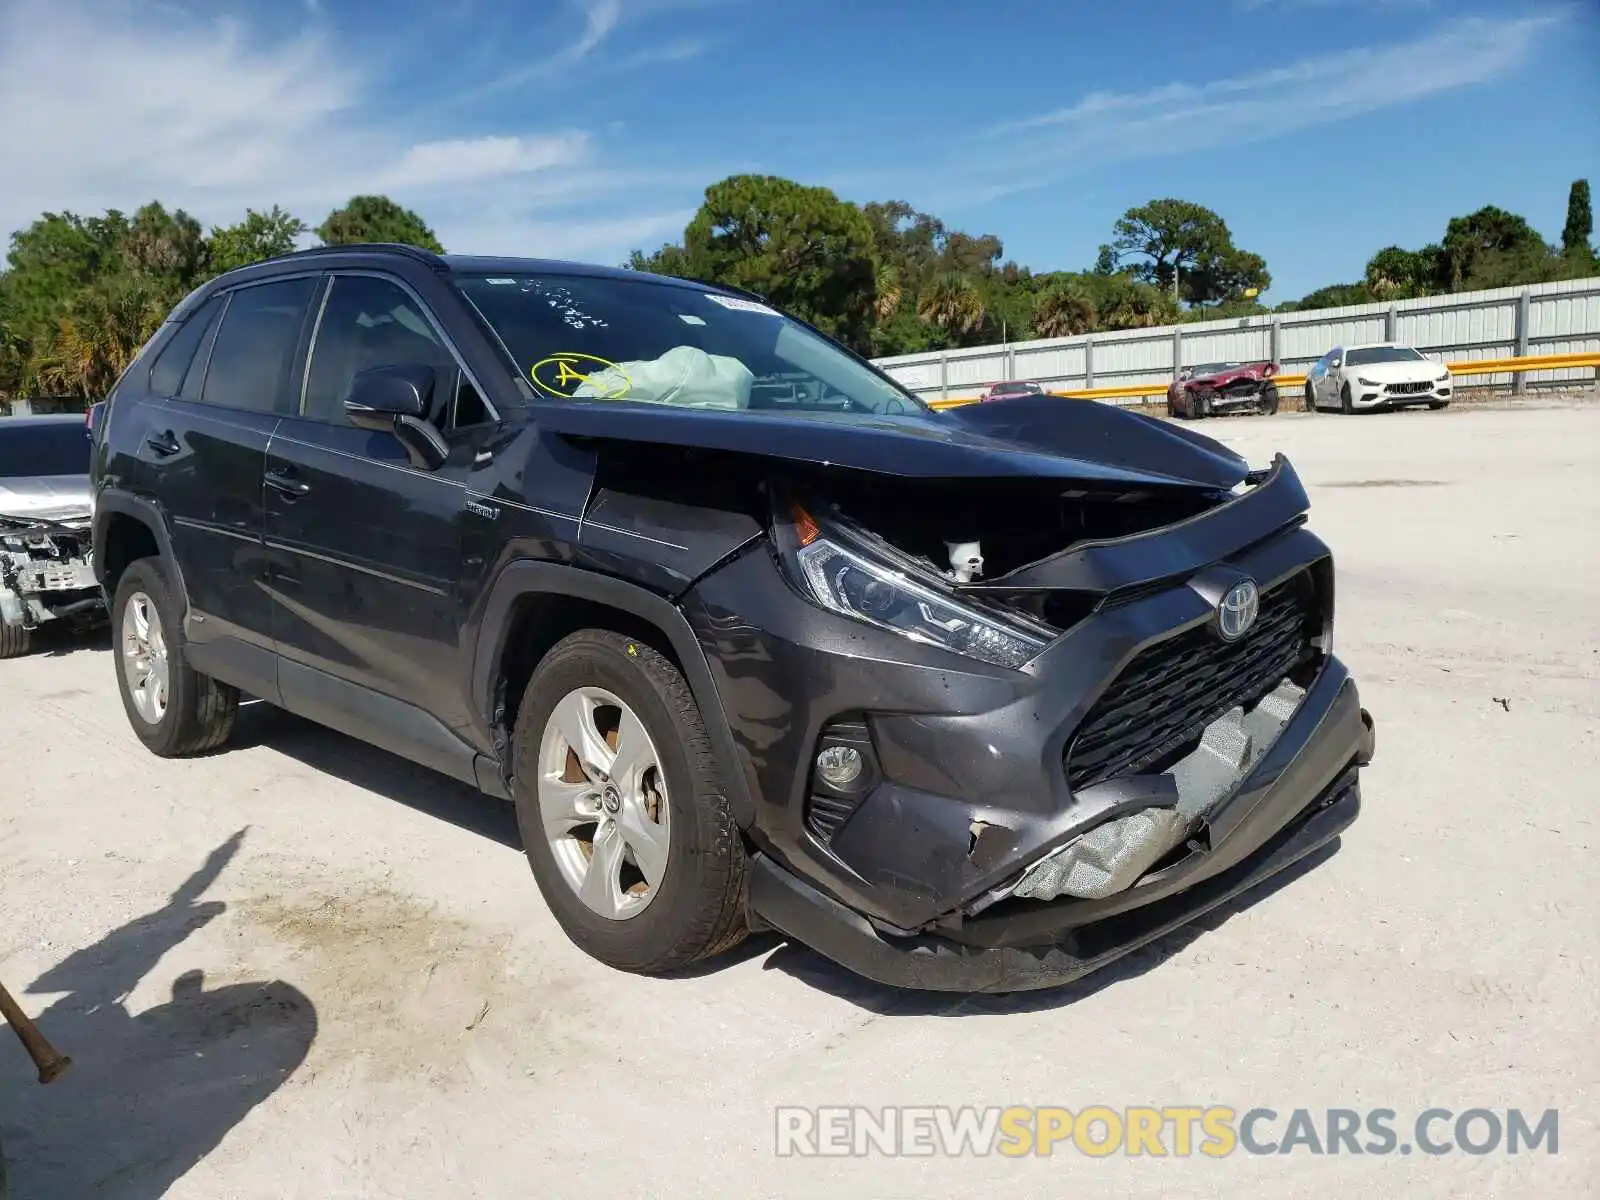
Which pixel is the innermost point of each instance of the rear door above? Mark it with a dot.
(366, 547)
(205, 441)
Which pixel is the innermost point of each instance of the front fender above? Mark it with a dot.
(523, 578)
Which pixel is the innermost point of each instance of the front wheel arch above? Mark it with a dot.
(528, 600)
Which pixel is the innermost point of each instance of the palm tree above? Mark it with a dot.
(1139, 306)
(1064, 309)
(96, 339)
(952, 304)
(889, 292)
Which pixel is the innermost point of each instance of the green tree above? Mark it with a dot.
(1224, 278)
(1579, 228)
(1492, 244)
(258, 237)
(802, 247)
(952, 304)
(168, 250)
(1065, 307)
(1336, 295)
(1126, 303)
(377, 219)
(1394, 273)
(1173, 239)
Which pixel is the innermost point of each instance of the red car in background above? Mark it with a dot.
(1016, 387)
(1213, 389)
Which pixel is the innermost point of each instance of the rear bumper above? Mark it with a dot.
(1020, 946)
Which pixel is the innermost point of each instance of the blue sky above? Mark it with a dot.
(1320, 129)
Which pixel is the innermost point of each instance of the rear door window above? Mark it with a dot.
(252, 359)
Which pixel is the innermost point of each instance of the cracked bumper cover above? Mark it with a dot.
(1300, 796)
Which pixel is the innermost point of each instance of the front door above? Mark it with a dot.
(365, 546)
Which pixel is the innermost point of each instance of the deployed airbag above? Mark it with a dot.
(684, 377)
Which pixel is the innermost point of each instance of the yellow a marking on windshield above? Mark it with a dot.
(559, 375)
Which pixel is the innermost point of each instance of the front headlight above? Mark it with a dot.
(852, 584)
(1445, 378)
(1366, 382)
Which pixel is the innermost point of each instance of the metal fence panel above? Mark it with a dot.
(1547, 318)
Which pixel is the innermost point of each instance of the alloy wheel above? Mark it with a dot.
(144, 650)
(603, 803)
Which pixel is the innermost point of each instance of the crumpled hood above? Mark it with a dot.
(1047, 437)
(45, 498)
(1223, 378)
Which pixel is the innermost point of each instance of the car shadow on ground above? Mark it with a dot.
(150, 1095)
(825, 975)
(57, 639)
(366, 766)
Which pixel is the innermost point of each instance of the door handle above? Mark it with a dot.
(164, 444)
(287, 483)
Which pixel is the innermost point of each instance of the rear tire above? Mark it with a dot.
(174, 709)
(15, 640)
(694, 909)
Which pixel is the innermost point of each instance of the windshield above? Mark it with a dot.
(597, 338)
(1382, 354)
(54, 449)
(1214, 368)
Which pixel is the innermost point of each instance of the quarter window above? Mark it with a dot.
(253, 357)
(172, 364)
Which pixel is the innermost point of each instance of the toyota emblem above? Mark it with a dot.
(1237, 610)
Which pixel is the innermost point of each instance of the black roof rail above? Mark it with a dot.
(417, 252)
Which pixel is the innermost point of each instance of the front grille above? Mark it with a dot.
(1172, 690)
(1408, 389)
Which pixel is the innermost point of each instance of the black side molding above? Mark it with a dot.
(380, 720)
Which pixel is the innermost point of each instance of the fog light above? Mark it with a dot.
(839, 766)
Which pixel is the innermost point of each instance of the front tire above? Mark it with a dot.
(1346, 402)
(1436, 405)
(1269, 400)
(622, 811)
(174, 710)
(1311, 399)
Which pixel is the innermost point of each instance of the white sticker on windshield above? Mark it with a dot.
(741, 305)
(501, 282)
(691, 319)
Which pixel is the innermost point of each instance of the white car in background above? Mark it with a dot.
(1377, 375)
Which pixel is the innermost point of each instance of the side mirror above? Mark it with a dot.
(397, 400)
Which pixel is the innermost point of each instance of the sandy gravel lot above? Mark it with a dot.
(302, 968)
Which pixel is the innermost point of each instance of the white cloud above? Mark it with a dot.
(1238, 109)
(105, 110)
(466, 160)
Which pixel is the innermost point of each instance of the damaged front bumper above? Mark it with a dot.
(1300, 797)
(46, 572)
(1016, 828)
